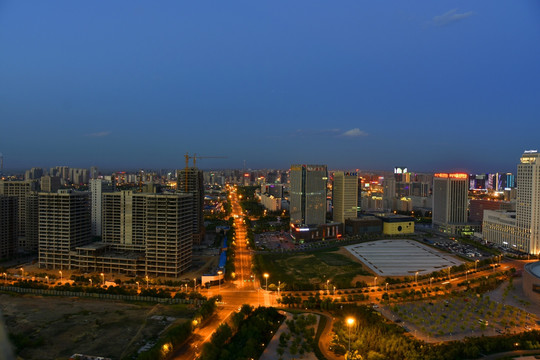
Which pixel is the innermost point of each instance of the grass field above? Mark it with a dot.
(310, 270)
(57, 327)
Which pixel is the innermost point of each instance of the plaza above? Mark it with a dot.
(401, 257)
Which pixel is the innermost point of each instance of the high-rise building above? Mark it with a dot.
(94, 172)
(64, 225)
(389, 192)
(156, 226)
(8, 226)
(450, 195)
(191, 181)
(97, 188)
(32, 221)
(50, 183)
(345, 196)
(33, 174)
(308, 194)
(20, 189)
(528, 203)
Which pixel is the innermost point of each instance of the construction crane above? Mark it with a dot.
(195, 157)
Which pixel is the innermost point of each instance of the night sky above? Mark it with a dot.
(432, 85)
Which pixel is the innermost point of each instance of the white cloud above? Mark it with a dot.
(354, 133)
(99, 134)
(450, 17)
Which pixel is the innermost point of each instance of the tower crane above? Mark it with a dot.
(195, 157)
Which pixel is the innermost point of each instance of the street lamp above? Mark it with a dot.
(327, 283)
(91, 282)
(375, 281)
(22, 272)
(146, 282)
(278, 288)
(476, 264)
(219, 280)
(416, 277)
(430, 281)
(137, 287)
(266, 275)
(103, 278)
(350, 322)
(386, 287)
(334, 291)
(194, 284)
(60, 271)
(5, 277)
(47, 278)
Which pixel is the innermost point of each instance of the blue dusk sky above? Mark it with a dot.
(431, 85)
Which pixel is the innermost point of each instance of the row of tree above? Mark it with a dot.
(245, 338)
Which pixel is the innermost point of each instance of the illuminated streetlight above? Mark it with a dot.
(103, 278)
(416, 277)
(475, 264)
(219, 280)
(327, 283)
(5, 277)
(386, 287)
(334, 291)
(266, 276)
(350, 322)
(61, 275)
(22, 272)
(147, 282)
(47, 278)
(194, 284)
(137, 287)
(91, 282)
(278, 288)
(430, 281)
(375, 281)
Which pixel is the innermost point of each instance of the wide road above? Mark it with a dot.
(243, 289)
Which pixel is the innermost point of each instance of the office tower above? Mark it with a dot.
(97, 188)
(20, 189)
(156, 226)
(345, 196)
(308, 194)
(8, 226)
(191, 181)
(450, 192)
(33, 174)
(50, 183)
(64, 225)
(389, 192)
(528, 203)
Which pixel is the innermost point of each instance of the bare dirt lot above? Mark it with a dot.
(57, 327)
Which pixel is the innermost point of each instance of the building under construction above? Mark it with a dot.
(142, 234)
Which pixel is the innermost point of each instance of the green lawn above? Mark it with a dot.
(309, 270)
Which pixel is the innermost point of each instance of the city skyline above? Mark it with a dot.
(429, 85)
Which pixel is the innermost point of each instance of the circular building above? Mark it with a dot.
(531, 281)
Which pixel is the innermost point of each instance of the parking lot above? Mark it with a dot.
(274, 241)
